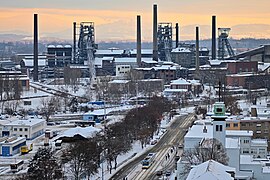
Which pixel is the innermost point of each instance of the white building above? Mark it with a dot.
(211, 170)
(30, 128)
(10, 146)
(238, 144)
(122, 70)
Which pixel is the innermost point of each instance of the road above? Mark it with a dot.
(173, 137)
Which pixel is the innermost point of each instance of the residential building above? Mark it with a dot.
(211, 170)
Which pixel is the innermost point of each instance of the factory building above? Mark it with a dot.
(10, 146)
(59, 56)
(29, 129)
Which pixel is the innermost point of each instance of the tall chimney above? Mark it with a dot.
(155, 45)
(214, 37)
(197, 49)
(177, 35)
(139, 41)
(74, 42)
(35, 75)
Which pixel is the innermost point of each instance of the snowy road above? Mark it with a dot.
(172, 138)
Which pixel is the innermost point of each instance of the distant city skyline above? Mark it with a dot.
(116, 20)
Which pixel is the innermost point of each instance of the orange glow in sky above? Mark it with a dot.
(246, 20)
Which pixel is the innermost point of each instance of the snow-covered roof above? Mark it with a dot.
(86, 132)
(239, 133)
(211, 170)
(180, 81)
(30, 62)
(51, 46)
(263, 67)
(181, 49)
(165, 67)
(214, 62)
(28, 122)
(59, 46)
(174, 90)
(194, 82)
(143, 51)
(107, 58)
(241, 75)
(118, 81)
(259, 142)
(196, 131)
(249, 160)
(12, 140)
(67, 46)
(110, 51)
(255, 119)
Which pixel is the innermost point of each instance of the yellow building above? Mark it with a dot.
(232, 124)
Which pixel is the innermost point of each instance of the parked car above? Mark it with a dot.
(159, 173)
(153, 142)
(168, 173)
(181, 146)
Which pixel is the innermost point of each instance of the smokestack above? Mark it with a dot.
(74, 42)
(214, 37)
(177, 35)
(139, 41)
(197, 49)
(35, 75)
(155, 46)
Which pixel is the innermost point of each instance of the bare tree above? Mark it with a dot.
(210, 149)
(48, 107)
(83, 158)
(232, 105)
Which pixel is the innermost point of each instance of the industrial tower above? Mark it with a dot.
(223, 41)
(86, 47)
(165, 41)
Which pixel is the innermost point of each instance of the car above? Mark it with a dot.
(159, 173)
(168, 173)
(153, 142)
(181, 146)
(177, 158)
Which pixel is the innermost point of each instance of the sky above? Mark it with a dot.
(115, 20)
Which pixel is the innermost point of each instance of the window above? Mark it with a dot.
(259, 125)
(258, 132)
(246, 141)
(25, 136)
(218, 127)
(228, 125)
(15, 129)
(20, 129)
(235, 124)
(25, 129)
(245, 151)
(243, 124)
(266, 131)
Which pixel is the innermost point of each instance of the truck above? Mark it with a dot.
(26, 148)
(50, 134)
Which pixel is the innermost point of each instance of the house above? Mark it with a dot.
(211, 170)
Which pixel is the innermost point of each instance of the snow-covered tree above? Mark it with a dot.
(44, 166)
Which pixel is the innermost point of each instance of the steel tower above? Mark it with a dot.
(222, 42)
(165, 41)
